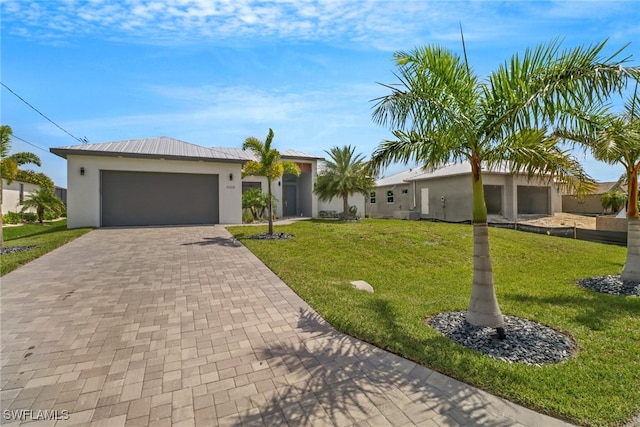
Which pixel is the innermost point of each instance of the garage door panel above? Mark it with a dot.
(151, 198)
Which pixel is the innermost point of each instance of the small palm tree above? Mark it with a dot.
(344, 175)
(616, 140)
(268, 164)
(43, 200)
(256, 201)
(9, 164)
(441, 112)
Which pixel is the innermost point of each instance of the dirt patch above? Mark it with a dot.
(562, 219)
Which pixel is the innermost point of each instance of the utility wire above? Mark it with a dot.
(81, 140)
(31, 144)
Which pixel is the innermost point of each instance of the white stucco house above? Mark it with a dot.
(13, 194)
(446, 194)
(165, 181)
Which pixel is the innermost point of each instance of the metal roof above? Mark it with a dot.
(165, 147)
(299, 155)
(451, 169)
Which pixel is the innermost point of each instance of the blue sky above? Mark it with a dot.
(216, 72)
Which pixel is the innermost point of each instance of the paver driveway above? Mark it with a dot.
(184, 326)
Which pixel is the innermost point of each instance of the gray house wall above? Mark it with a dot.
(458, 198)
(591, 204)
(402, 201)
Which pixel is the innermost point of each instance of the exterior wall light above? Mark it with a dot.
(230, 177)
(82, 170)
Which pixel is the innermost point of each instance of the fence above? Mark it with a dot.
(598, 236)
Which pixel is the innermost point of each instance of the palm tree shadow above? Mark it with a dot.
(325, 377)
(596, 311)
(219, 241)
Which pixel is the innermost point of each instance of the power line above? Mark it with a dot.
(31, 144)
(81, 140)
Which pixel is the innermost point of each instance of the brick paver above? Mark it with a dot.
(184, 326)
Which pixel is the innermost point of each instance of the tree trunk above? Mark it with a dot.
(270, 208)
(631, 269)
(483, 307)
(345, 205)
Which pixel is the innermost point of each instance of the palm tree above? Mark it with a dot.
(616, 140)
(9, 164)
(441, 112)
(342, 176)
(269, 165)
(43, 200)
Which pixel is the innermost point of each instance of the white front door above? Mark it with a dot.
(424, 197)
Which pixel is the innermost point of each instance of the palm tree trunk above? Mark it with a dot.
(483, 307)
(345, 205)
(270, 207)
(631, 269)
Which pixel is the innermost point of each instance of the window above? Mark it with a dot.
(248, 185)
(390, 196)
(372, 197)
(405, 191)
(21, 196)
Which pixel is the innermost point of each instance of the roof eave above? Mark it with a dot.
(63, 152)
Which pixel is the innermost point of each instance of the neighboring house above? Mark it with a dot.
(446, 194)
(591, 204)
(164, 181)
(13, 194)
(61, 193)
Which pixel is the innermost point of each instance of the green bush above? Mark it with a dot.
(29, 216)
(11, 218)
(50, 215)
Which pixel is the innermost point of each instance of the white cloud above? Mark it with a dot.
(382, 24)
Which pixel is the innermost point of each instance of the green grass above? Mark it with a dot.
(45, 237)
(419, 269)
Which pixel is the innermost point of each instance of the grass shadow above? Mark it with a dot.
(596, 310)
(38, 229)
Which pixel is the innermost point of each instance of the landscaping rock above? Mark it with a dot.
(526, 341)
(274, 236)
(361, 285)
(15, 249)
(613, 285)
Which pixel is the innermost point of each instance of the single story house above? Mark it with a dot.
(165, 181)
(446, 194)
(13, 194)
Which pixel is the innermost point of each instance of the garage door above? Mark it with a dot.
(533, 200)
(151, 198)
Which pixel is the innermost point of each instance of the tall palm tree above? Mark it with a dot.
(344, 175)
(616, 140)
(269, 165)
(441, 112)
(43, 200)
(9, 164)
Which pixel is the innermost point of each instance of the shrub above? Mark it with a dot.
(29, 216)
(615, 200)
(11, 218)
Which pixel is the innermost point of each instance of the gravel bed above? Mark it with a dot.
(611, 285)
(274, 236)
(526, 342)
(16, 249)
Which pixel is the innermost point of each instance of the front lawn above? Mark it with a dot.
(44, 237)
(419, 269)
